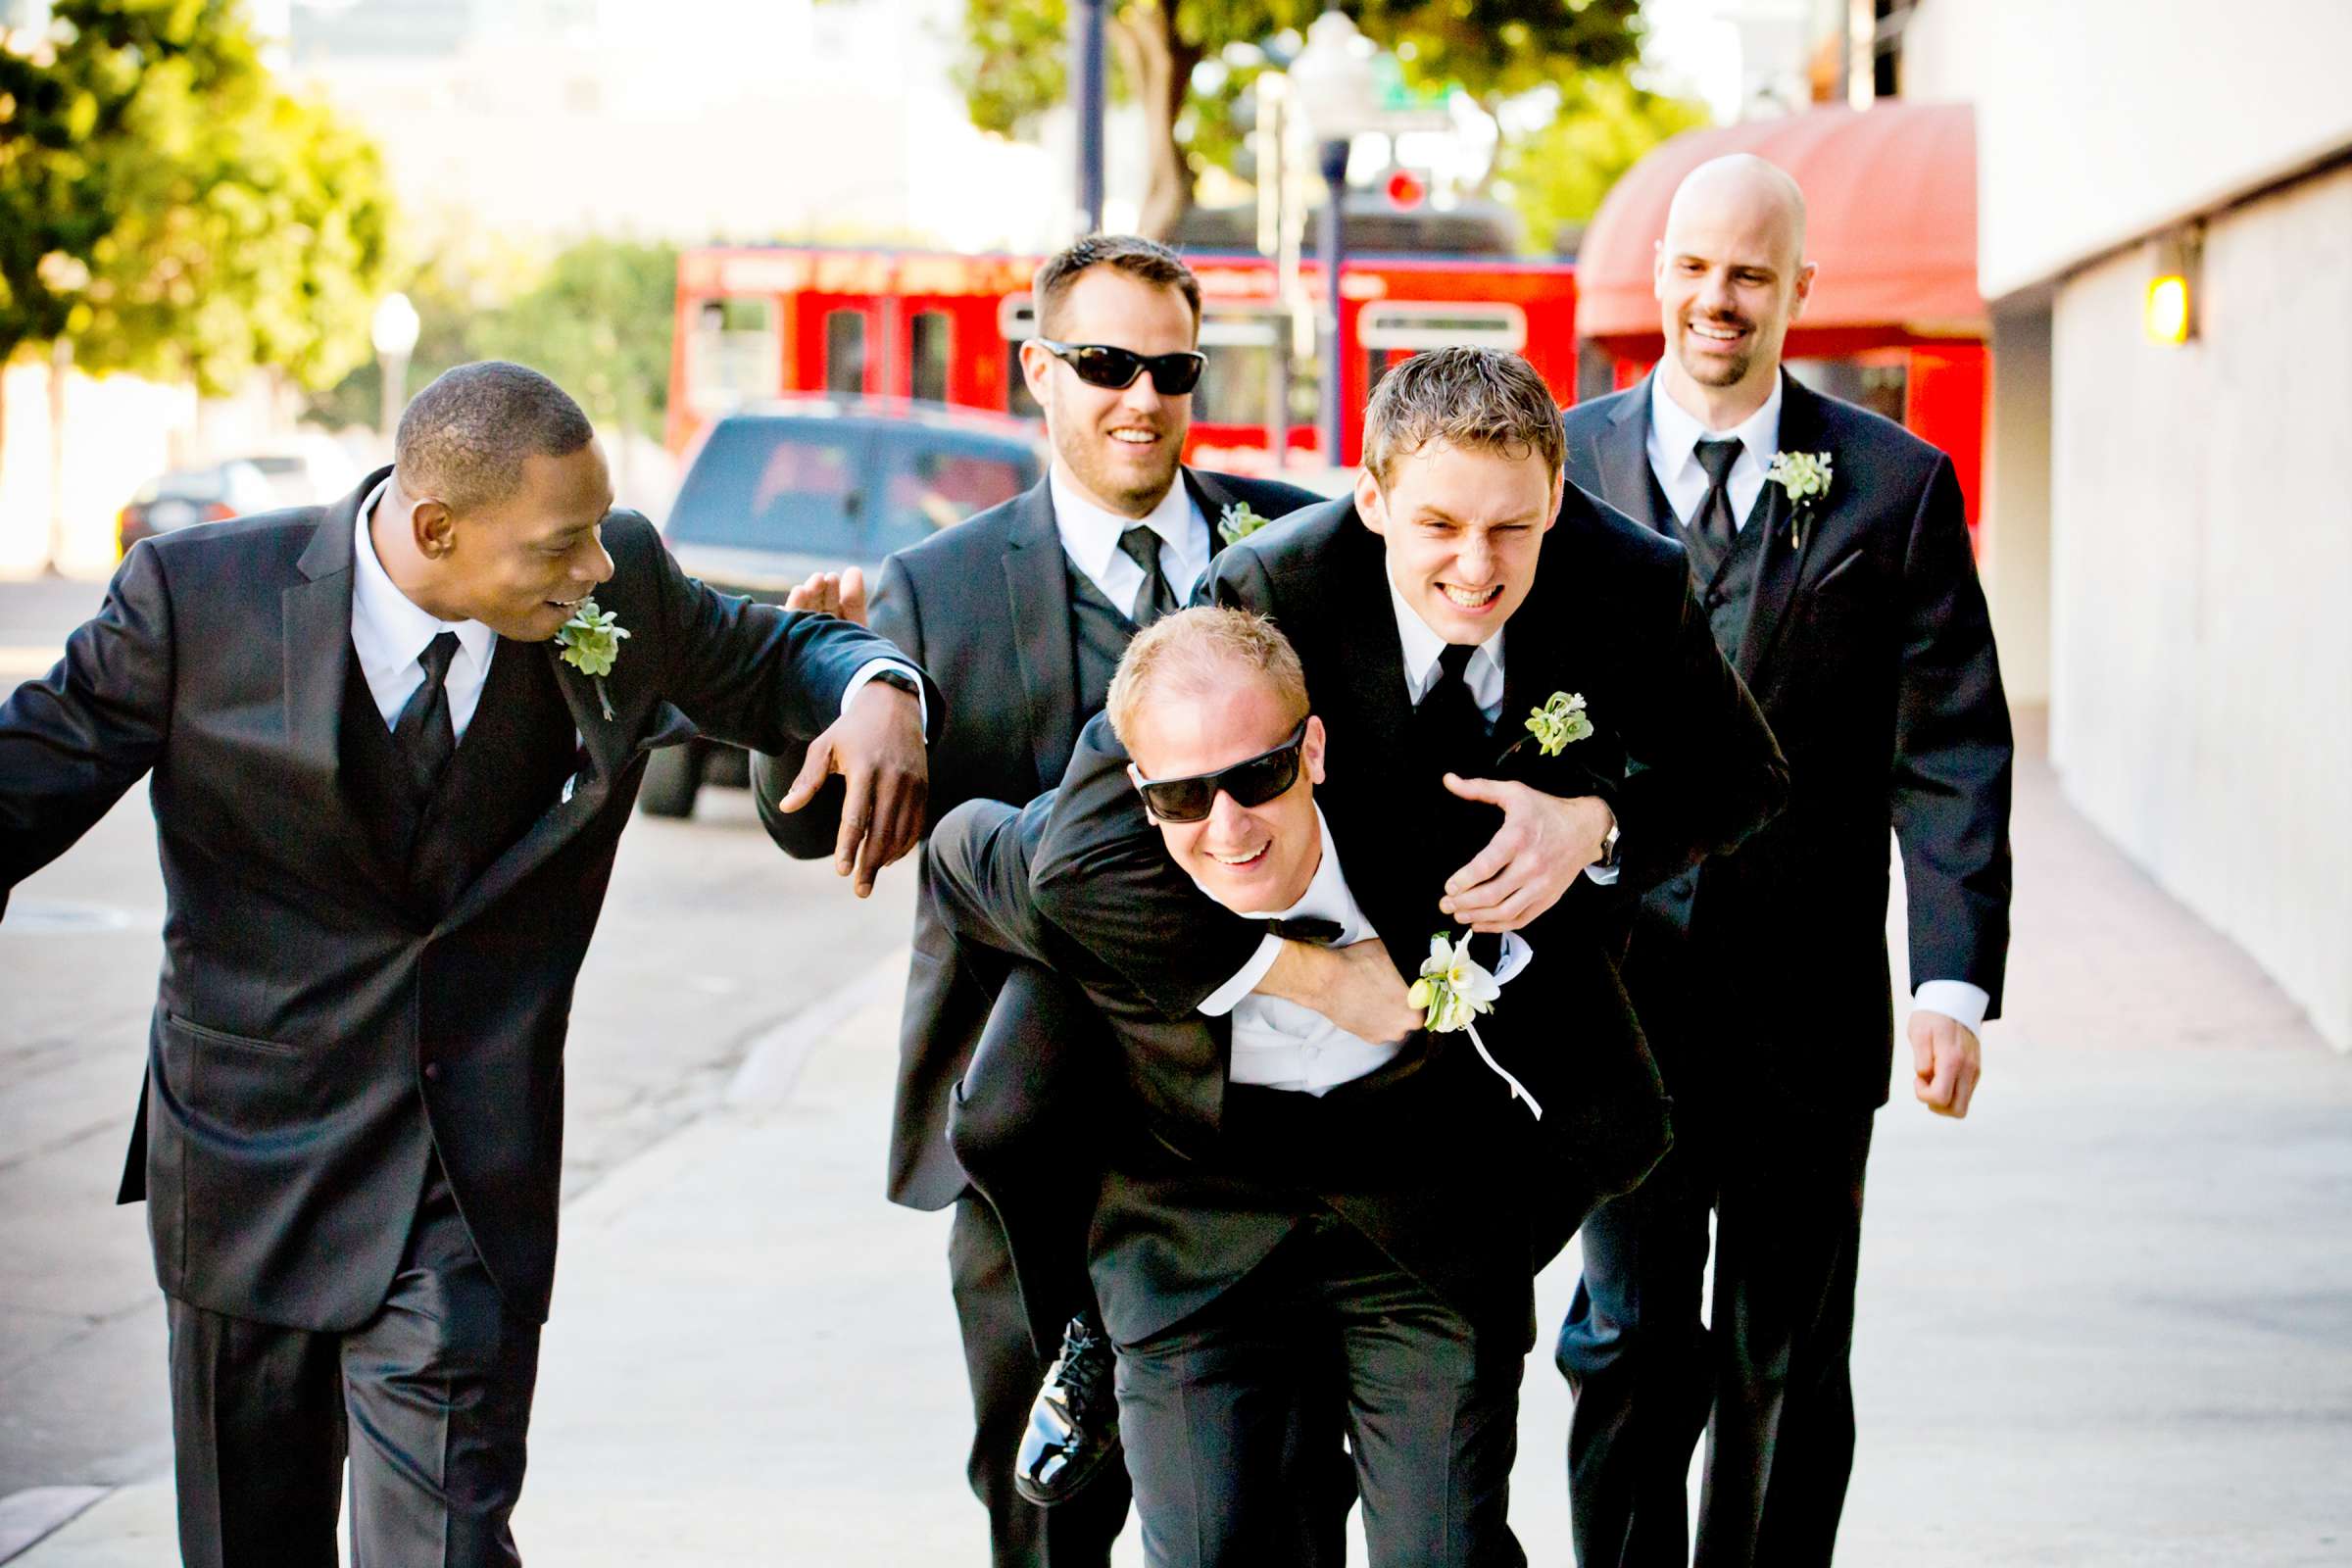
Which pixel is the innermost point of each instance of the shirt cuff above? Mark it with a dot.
(1226, 996)
(873, 667)
(1956, 1000)
(1606, 875)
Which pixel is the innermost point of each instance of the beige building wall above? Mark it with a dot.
(2202, 507)
(2099, 120)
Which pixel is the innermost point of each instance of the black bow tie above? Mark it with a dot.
(1319, 933)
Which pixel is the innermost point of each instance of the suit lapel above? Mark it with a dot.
(317, 656)
(1037, 590)
(1783, 562)
(1621, 450)
(604, 753)
(1213, 498)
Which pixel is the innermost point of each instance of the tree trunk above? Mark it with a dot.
(1158, 65)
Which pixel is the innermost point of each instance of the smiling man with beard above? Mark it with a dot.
(1761, 978)
(1021, 615)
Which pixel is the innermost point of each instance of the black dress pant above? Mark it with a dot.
(1767, 1379)
(431, 1400)
(1005, 1372)
(1232, 1419)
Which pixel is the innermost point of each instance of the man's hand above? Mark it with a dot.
(832, 593)
(1355, 986)
(877, 745)
(1544, 843)
(1943, 1062)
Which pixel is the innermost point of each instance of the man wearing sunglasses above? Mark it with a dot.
(1428, 636)
(1024, 610)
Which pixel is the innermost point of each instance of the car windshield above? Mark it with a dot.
(773, 484)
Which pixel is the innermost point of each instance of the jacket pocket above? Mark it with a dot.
(221, 1036)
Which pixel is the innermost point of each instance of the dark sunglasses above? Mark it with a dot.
(1254, 781)
(1115, 370)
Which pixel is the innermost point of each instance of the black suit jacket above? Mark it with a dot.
(1870, 649)
(310, 1026)
(985, 606)
(1678, 747)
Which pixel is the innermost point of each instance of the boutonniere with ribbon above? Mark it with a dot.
(1806, 478)
(1553, 727)
(1455, 988)
(1238, 522)
(590, 643)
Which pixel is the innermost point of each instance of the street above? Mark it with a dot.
(710, 940)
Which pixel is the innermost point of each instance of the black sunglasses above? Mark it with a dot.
(1252, 781)
(1115, 370)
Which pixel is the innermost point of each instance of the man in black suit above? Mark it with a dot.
(388, 799)
(1022, 612)
(1287, 1180)
(1856, 619)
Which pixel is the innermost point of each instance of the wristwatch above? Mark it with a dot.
(898, 678)
(1609, 850)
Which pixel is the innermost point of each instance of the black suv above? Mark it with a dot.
(784, 489)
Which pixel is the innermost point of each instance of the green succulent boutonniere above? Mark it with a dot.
(1553, 727)
(1238, 522)
(1805, 477)
(1454, 989)
(590, 643)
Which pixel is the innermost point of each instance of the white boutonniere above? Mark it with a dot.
(1238, 522)
(1455, 988)
(1805, 477)
(590, 643)
(1553, 727)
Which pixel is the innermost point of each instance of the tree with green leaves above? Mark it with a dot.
(1556, 175)
(166, 210)
(1012, 62)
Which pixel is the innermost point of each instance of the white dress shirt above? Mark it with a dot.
(1674, 437)
(1090, 537)
(1675, 433)
(390, 632)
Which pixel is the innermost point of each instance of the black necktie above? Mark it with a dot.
(1308, 929)
(1712, 528)
(1449, 718)
(424, 735)
(1154, 597)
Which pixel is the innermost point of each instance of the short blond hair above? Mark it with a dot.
(1194, 652)
(1474, 399)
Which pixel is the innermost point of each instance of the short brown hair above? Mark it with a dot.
(1477, 399)
(463, 440)
(1196, 651)
(1139, 258)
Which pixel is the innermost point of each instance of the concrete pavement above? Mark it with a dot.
(2105, 1321)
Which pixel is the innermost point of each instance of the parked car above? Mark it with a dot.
(209, 494)
(308, 470)
(780, 490)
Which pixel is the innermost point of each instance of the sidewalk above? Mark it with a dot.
(2106, 1321)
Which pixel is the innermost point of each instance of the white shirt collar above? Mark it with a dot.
(1422, 648)
(389, 629)
(1675, 432)
(1091, 535)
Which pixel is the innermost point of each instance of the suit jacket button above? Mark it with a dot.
(432, 1072)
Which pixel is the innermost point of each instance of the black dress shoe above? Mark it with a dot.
(1074, 1424)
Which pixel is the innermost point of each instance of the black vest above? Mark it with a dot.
(1099, 633)
(1731, 592)
(510, 767)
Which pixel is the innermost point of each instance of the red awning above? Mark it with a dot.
(1890, 198)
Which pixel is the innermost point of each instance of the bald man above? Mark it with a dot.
(1761, 978)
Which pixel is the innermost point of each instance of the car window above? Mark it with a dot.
(930, 481)
(773, 484)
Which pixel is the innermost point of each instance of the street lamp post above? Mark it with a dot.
(394, 330)
(1332, 81)
(1089, 93)
(1333, 157)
